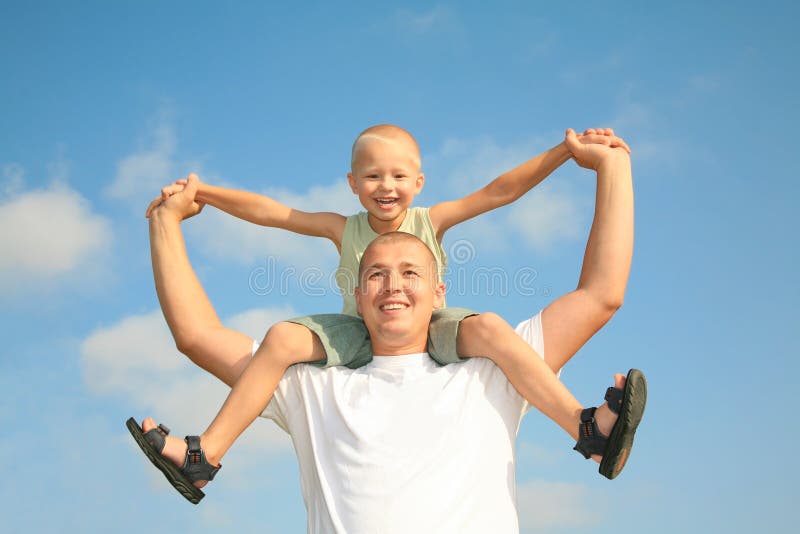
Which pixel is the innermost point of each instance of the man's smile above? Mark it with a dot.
(391, 306)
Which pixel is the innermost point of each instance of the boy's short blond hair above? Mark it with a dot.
(387, 133)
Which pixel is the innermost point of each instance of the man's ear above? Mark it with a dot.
(357, 295)
(352, 181)
(438, 295)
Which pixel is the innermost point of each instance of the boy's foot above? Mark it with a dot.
(606, 433)
(604, 417)
(183, 462)
(174, 448)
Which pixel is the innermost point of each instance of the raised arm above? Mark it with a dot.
(194, 324)
(265, 211)
(511, 185)
(569, 321)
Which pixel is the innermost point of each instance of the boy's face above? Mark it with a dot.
(386, 177)
(397, 293)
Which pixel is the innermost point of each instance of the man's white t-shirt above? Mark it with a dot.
(403, 445)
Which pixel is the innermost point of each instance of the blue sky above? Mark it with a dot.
(103, 103)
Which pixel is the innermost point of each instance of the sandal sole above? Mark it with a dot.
(620, 442)
(173, 474)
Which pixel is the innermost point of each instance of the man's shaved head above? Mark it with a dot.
(403, 239)
(387, 133)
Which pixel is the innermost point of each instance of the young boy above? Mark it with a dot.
(386, 176)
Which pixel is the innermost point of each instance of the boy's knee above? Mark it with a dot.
(488, 325)
(484, 328)
(289, 343)
(284, 341)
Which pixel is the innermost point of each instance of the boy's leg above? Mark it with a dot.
(285, 344)
(488, 335)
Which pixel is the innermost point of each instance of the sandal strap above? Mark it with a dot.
(590, 440)
(157, 437)
(196, 466)
(614, 398)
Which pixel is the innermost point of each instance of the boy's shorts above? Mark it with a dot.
(346, 340)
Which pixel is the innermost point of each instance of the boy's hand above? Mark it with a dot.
(603, 136)
(179, 198)
(591, 156)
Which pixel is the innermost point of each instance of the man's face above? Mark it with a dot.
(398, 291)
(386, 177)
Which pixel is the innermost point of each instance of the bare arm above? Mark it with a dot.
(513, 184)
(261, 209)
(503, 190)
(194, 324)
(266, 211)
(572, 319)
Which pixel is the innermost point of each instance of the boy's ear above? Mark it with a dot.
(352, 181)
(357, 295)
(420, 182)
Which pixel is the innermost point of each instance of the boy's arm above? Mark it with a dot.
(569, 321)
(266, 211)
(511, 185)
(503, 190)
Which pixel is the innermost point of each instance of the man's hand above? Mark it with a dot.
(178, 199)
(603, 136)
(592, 155)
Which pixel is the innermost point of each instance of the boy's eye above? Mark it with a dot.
(410, 273)
(375, 275)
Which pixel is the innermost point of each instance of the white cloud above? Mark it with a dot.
(551, 213)
(256, 322)
(49, 234)
(536, 455)
(473, 163)
(223, 236)
(651, 147)
(136, 358)
(141, 175)
(545, 505)
(547, 216)
(13, 179)
(121, 357)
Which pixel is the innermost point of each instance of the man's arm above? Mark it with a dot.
(265, 211)
(569, 321)
(194, 324)
(513, 184)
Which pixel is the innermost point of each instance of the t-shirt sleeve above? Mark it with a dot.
(531, 331)
(497, 384)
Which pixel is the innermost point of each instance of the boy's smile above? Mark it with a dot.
(386, 203)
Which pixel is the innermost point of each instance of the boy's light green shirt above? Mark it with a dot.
(358, 234)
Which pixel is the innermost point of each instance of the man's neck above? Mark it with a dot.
(384, 349)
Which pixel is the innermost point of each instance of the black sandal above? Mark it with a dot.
(629, 405)
(195, 467)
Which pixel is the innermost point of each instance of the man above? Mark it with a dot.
(402, 445)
